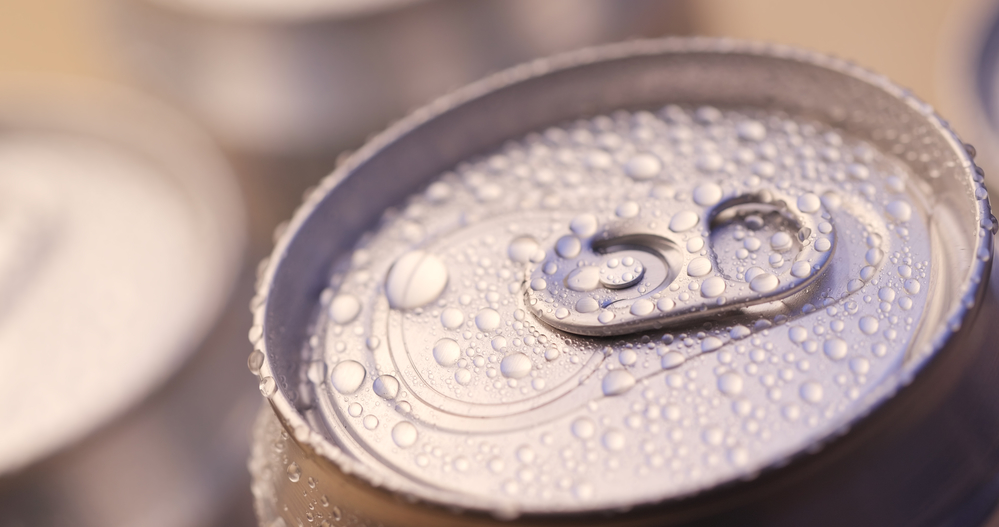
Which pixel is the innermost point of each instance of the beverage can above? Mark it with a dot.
(684, 281)
(302, 78)
(121, 239)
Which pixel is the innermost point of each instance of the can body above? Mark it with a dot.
(268, 77)
(613, 303)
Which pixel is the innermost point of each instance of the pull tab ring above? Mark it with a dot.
(634, 275)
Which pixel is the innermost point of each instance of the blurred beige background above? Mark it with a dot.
(900, 38)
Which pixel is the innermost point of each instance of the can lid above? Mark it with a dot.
(376, 386)
(120, 238)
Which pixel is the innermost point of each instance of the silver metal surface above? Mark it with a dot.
(347, 472)
(311, 77)
(122, 239)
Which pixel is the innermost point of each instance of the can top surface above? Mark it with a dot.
(708, 257)
(120, 233)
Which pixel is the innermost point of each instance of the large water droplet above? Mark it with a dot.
(900, 210)
(568, 246)
(404, 434)
(751, 131)
(446, 352)
(812, 392)
(764, 283)
(707, 194)
(515, 366)
(386, 387)
(713, 287)
(699, 266)
(583, 278)
(808, 203)
(487, 319)
(613, 440)
(583, 428)
(730, 383)
(672, 359)
(415, 280)
(617, 382)
(869, 325)
(710, 344)
(344, 308)
(683, 221)
(522, 249)
(835, 348)
(584, 225)
(643, 166)
(452, 318)
(347, 376)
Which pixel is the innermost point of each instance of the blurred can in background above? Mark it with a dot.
(122, 236)
(696, 282)
(307, 77)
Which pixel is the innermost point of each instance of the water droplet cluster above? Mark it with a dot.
(435, 361)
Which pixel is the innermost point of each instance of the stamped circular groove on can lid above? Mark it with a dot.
(621, 276)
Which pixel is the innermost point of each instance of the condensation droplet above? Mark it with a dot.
(404, 434)
(446, 352)
(386, 387)
(415, 280)
(515, 366)
(617, 382)
(344, 308)
(347, 376)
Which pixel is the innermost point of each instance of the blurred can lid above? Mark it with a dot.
(121, 235)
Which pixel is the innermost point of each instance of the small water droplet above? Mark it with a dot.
(268, 386)
(255, 361)
(294, 472)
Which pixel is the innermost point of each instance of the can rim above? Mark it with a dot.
(972, 284)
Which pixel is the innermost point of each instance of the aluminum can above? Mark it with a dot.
(297, 78)
(673, 282)
(121, 242)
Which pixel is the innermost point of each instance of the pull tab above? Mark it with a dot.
(632, 275)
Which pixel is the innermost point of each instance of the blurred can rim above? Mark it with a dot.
(967, 67)
(928, 341)
(184, 155)
(291, 11)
